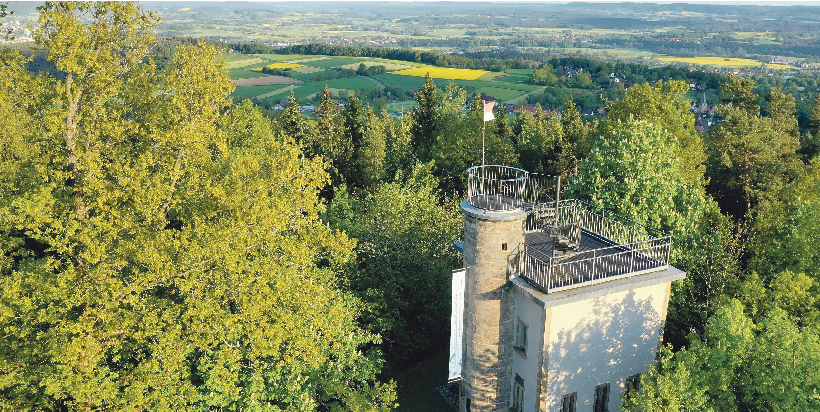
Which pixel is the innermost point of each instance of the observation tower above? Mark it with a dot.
(559, 304)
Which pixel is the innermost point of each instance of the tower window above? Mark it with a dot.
(568, 402)
(521, 336)
(601, 398)
(503, 246)
(518, 394)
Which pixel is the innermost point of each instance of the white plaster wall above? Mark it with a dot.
(533, 315)
(602, 339)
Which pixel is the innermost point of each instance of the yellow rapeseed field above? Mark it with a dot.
(717, 61)
(443, 73)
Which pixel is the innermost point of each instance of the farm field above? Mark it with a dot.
(443, 73)
(723, 61)
(308, 75)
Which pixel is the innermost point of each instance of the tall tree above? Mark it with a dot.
(667, 102)
(370, 154)
(155, 252)
(352, 128)
(404, 260)
(575, 132)
(738, 93)
(751, 156)
(292, 121)
(633, 172)
(425, 117)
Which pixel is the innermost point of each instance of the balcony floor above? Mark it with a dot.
(542, 242)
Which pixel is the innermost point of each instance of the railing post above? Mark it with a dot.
(593, 266)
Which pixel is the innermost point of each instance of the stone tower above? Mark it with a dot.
(490, 233)
(559, 305)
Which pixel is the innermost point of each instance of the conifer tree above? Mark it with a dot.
(370, 154)
(292, 121)
(353, 128)
(575, 132)
(425, 118)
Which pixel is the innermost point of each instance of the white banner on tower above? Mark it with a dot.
(456, 324)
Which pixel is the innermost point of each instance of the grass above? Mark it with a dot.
(514, 79)
(399, 107)
(308, 69)
(276, 92)
(333, 61)
(443, 73)
(388, 65)
(500, 93)
(246, 92)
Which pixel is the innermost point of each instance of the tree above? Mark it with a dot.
(544, 76)
(737, 92)
(399, 151)
(370, 154)
(575, 132)
(667, 102)
(633, 172)
(667, 386)
(425, 117)
(156, 252)
(404, 260)
(292, 121)
(327, 138)
(458, 140)
(352, 129)
(751, 157)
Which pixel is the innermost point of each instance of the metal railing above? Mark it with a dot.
(553, 274)
(495, 187)
(631, 247)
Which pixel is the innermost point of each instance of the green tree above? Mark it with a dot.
(292, 121)
(575, 132)
(327, 138)
(667, 386)
(370, 154)
(544, 76)
(352, 128)
(156, 253)
(425, 117)
(633, 172)
(399, 150)
(667, 102)
(738, 92)
(751, 157)
(458, 140)
(404, 260)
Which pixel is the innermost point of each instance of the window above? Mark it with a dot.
(518, 394)
(568, 402)
(521, 336)
(601, 398)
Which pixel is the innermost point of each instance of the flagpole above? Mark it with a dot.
(483, 126)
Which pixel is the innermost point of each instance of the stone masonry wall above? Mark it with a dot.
(488, 313)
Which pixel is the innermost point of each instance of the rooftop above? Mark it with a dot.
(568, 243)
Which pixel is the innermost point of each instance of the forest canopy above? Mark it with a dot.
(163, 247)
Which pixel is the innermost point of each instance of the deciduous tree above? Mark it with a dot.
(156, 252)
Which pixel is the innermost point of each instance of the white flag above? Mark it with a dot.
(488, 111)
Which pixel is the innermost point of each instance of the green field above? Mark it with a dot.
(507, 86)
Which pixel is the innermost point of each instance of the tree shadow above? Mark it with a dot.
(612, 342)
